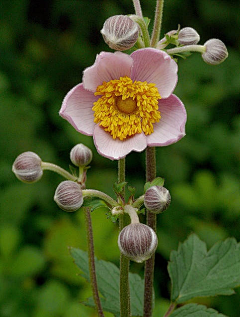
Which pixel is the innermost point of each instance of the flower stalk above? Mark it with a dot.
(187, 48)
(91, 262)
(124, 262)
(96, 193)
(137, 7)
(57, 169)
(170, 310)
(151, 222)
(145, 34)
(157, 23)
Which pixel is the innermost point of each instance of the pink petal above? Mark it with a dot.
(116, 149)
(155, 66)
(77, 109)
(171, 126)
(107, 66)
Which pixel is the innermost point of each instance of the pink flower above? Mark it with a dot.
(126, 103)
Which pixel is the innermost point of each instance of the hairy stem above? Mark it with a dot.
(91, 262)
(124, 262)
(59, 170)
(151, 222)
(157, 23)
(96, 193)
(170, 310)
(137, 7)
(145, 34)
(187, 48)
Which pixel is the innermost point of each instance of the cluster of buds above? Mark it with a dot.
(28, 167)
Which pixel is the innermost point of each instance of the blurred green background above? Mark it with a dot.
(44, 47)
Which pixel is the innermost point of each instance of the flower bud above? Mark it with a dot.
(157, 199)
(120, 32)
(81, 155)
(188, 36)
(137, 241)
(27, 167)
(68, 196)
(215, 52)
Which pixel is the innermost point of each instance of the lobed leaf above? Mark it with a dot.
(108, 284)
(195, 310)
(195, 272)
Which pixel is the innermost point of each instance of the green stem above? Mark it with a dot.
(137, 7)
(151, 222)
(91, 262)
(96, 193)
(138, 202)
(59, 170)
(145, 34)
(187, 48)
(157, 23)
(124, 262)
(170, 310)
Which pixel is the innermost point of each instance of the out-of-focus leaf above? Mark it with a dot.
(9, 239)
(194, 310)
(108, 284)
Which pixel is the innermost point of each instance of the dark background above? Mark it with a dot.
(44, 47)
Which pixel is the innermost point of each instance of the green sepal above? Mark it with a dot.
(158, 181)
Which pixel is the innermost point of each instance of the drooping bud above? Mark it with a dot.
(68, 196)
(120, 32)
(138, 242)
(157, 199)
(215, 52)
(81, 155)
(27, 167)
(188, 36)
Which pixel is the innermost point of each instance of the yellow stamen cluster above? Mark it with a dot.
(126, 107)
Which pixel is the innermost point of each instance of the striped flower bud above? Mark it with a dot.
(138, 242)
(157, 199)
(120, 32)
(27, 167)
(188, 36)
(68, 196)
(81, 155)
(215, 52)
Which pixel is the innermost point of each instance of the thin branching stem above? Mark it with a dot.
(137, 7)
(91, 262)
(157, 23)
(151, 222)
(170, 310)
(124, 262)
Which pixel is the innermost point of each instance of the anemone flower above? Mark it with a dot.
(126, 103)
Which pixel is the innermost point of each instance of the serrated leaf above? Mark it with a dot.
(108, 284)
(94, 203)
(195, 272)
(118, 187)
(158, 181)
(195, 310)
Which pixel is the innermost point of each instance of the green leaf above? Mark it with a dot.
(195, 272)
(194, 310)
(108, 284)
(94, 203)
(118, 187)
(156, 182)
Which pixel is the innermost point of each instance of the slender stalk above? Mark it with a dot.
(170, 310)
(187, 48)
(151, 222)
(157, 23)
(91, 262)
(96, 193)
(145, 34)
(137, 7)
(124, 262)
(59, 170)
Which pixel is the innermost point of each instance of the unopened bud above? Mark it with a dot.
(215, 52)
(138, 242)
(68, 196)
(27, 167)
(188, 36)
(120, 32)
(157, 199)
(81, 155)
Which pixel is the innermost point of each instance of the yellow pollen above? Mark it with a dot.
(126, 107)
